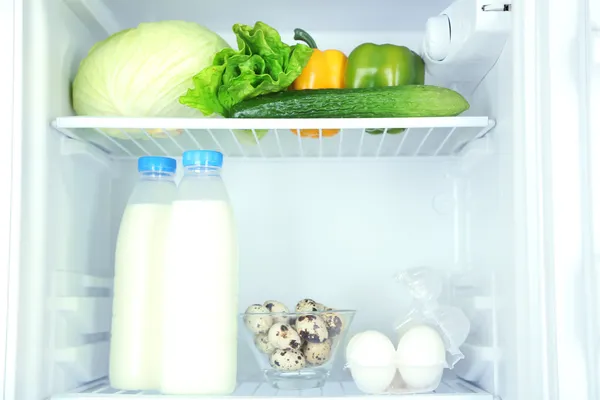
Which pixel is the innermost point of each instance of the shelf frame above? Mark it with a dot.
(455, 389)
(121, 137)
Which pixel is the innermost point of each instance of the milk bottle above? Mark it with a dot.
(135, 351)
(200, 283)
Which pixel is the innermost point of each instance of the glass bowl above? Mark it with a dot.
(296, 351)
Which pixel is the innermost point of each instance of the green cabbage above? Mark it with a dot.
(263, 64)
(142, 72)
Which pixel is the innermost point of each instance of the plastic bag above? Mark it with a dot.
(425, 286)
(428, 341)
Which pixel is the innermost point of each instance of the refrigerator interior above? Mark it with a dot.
(342, 226)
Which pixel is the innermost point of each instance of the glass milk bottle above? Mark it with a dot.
(200, 283)
(135, 356)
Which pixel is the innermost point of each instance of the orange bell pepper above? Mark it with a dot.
(325, 70)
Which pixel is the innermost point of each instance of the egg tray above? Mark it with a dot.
(430, 336)
(415, 366)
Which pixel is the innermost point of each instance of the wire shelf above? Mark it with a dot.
(122, 137)
(454, 388)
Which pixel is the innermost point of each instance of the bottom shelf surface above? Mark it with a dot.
(458, 389)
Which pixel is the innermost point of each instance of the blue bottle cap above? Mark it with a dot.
(158, 164)
(204, 158)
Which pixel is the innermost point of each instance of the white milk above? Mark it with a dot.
(200, 303)
(135, 353)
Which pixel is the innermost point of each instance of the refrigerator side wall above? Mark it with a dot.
(483, 289)
(64, 231)
(554, 348)
(10, 115)
(565, 143)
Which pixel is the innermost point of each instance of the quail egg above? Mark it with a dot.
(287, 360)
(309, 305)
(262, 343)
(334, 323)
(282, 336)
(312, 328)
(317, 353)
(275, 306)
(258, 323)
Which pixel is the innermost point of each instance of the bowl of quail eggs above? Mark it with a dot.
(295, 350)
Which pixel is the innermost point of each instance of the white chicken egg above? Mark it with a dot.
(370, 356)
(351, 343)
(370, 349)
(421, 356)
(373, 380)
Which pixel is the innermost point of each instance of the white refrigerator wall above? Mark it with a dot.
(336, 231)
(336, 15)
(340, 228)
(63, 223)
(593, 180)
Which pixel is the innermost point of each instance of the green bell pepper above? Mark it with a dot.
(371, 65)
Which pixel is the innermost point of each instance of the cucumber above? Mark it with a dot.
(382, 102)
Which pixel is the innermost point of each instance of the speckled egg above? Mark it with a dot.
(283, 336)
(262, 343)
(317, 353)
(309, 305)
(258, 323)
(334, 323)
(312, 328)
(275, 306)
(287, 360)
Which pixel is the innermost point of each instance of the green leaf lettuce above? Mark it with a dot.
(263, 64)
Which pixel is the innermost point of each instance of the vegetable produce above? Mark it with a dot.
(325, 70)
(142, 72)
(371, 65)
(384, 102)
(263, 64)
(246, 136)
